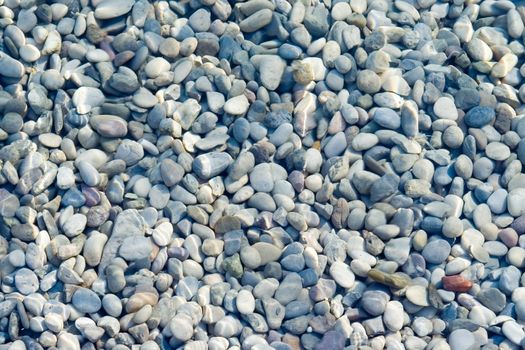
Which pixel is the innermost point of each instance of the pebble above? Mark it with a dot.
(456, 283)
(29, 53)
(342, 274)
(271, 68)
(256, 21)
(387, 118)
(497, 151)
(374, 302)
(9, 203)
(26, 281)
(156, 67)
(435, 252)
(109, 125)
(417, 295)
(422, 326)
(181, 327)
(336, 145)
(461, 339)
(479, 116)
(492, 298)
(513, 331)
(135, 248)
(9, 67)
(368, 81)
(86, 301)
(444, 108)
(211, 164)
(237, 105)
(364, 141)
(261, 178)
(245, 302)
(393, 316)
(130, 152)
(86, 98)
(111, 9)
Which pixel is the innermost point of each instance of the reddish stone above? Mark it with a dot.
(456, 283)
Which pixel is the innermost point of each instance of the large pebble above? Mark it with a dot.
(109, 9)
(211, 164)
(109, 125)
(86, 301)
(26, 281)
(86, 98)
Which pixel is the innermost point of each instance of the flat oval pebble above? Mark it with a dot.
(109, 125)
(86, 301)
(445, 108)
(342, 274)
(479, 116)
(245, 302)
(497, 151)
(50, 140)
(108, 9)
(436, 251)
(364, 141)
(156, 67)
(387, 118)
(26, 281)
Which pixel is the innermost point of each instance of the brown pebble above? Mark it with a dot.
(293, 341)
(395, 280)
(456, 283)
(94, 34)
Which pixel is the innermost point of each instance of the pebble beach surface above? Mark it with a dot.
(267, 174)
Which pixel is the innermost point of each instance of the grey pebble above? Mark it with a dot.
(86, 301)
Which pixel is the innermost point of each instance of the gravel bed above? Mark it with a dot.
(267, 174)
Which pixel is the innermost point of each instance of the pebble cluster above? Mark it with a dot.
(267, 174)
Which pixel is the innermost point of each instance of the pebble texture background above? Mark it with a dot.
(268, 174)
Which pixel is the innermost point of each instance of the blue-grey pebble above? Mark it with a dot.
(479, 116)
(387, 118)
(436, 251)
